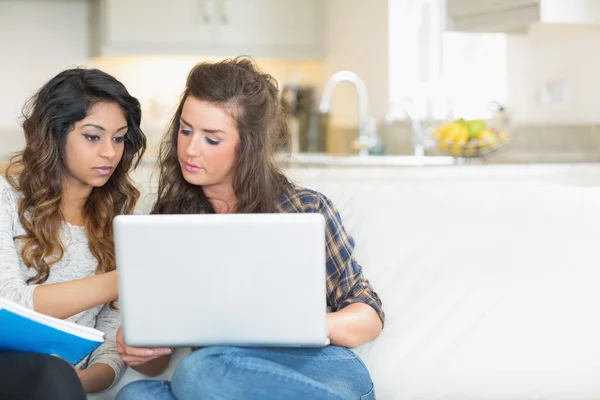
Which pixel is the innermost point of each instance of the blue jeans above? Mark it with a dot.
(224, 373)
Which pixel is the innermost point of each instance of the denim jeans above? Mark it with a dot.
(224, 373)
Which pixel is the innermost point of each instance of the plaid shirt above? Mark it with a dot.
(345, 281)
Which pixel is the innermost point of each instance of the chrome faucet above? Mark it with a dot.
(365, 140)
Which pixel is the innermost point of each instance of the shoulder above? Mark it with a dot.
(298, 198)
(8, 194)
(4, 185)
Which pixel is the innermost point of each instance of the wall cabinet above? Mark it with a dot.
(259, 28)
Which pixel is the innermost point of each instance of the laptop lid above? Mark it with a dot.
(222, 279)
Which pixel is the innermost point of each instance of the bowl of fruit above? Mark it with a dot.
(469, 138)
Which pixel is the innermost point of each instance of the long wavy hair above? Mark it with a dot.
(37, 171)
(252, 98)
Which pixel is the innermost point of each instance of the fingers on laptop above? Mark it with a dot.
(134, 356)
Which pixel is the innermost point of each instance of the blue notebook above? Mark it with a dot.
(22, 329)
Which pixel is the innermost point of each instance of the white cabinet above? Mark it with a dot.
(570, 12)
(517, 15)
(145, 25)
(277, 24)
(259, 28)
(492, 15)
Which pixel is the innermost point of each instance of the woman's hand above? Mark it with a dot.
(136, 356)
(151, 362)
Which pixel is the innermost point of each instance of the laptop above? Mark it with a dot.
(222, 279)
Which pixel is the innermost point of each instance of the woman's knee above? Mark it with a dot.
(131, 391)
(199, 363)
(203, 369)
(145, 389)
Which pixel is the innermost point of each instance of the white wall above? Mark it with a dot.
(555, 53)
(38, 39)
(356, 39)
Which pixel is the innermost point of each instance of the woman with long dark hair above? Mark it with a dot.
(57, 201)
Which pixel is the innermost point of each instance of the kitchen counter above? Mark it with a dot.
(327, 160)
(349, 161)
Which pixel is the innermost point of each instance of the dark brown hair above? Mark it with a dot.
(37, 171)
(251, 97)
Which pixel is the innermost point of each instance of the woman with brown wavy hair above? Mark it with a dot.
(219, 157)
(57, 201)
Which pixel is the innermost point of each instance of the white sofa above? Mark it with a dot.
(489, 279)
